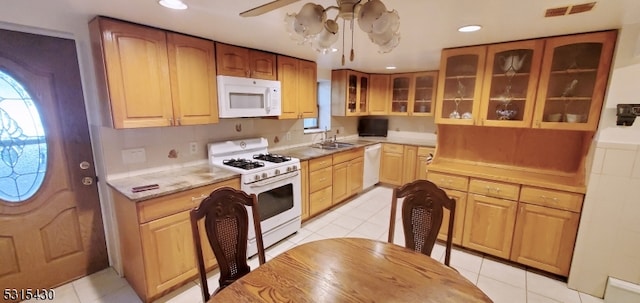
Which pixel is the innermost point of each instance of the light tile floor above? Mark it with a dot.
(365, 216)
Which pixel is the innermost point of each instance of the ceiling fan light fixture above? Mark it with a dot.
(469, 28)
(173, 4)
(312, 26)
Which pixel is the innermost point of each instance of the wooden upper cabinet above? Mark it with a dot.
(131, 61)
(460, 85)
(307, 89)
(243, 62)
(152, 78)
(510, 83)
(349, 93)
(299, 88)
(379, 96)
(193, 86)
(573, 79)
(413, 94)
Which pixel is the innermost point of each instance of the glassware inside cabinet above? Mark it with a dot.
(400, 94)
(364, 92)
(459, 87)
(510, 76)
(571, 82)
(423, 93)
(352, 91)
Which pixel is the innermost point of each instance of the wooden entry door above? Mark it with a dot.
(51, 228)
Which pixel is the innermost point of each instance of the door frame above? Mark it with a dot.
(94, 120)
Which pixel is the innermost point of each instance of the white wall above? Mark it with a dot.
(608, 242)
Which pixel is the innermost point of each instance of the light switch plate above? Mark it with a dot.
(134, 155)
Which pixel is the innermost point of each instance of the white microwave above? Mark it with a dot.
(246, 97)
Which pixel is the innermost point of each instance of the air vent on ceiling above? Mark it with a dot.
(558, 11)
(568, 10)
(581, 8)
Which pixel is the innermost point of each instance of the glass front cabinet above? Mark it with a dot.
(554, 83)
(460, 85)
(573, 80)
(510, 82)
(349, 93)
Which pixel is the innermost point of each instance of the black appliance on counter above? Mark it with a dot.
(373, 127)
(627, 113)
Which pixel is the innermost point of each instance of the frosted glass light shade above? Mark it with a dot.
(369, 13)
(326, 38)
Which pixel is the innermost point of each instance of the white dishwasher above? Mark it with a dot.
(371, 165)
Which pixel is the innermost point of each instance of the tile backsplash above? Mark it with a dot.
(170, 146)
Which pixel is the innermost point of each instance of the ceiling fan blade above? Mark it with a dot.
(265, 8)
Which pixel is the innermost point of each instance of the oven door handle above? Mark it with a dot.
(272, 180)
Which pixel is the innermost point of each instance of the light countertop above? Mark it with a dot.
(171, 181)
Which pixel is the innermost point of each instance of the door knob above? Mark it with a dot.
(85, 165)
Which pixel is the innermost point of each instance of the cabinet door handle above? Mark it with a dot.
(200, 198)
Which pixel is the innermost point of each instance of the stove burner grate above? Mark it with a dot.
(243, 163)
(275, 158)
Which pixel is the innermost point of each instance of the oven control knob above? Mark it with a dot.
(277, 172)
(264, 175)
(294, 168)
(256, 177)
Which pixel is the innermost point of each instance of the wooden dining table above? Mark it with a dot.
(351, 270)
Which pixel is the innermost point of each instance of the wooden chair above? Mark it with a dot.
(226, 223)
(422, 211)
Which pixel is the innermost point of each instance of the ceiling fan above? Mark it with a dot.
(265, 8)
(312, 25)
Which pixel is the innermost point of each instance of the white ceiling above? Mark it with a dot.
(426, 26)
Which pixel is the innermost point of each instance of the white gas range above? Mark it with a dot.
(274, 179)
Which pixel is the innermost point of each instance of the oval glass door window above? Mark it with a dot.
(23, 146)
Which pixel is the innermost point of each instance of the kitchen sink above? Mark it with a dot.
(331, 145)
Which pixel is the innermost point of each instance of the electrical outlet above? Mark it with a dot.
(134, 155)
(288, 136)
(193, 148)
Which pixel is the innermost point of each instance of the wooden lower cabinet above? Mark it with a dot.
(544, 238)
(458, 220)
(425, 154)
(348, 168)
(410, 155)
(320, 184)
(355, 172)
(158, 253)
(340, 186)
(488, 225)
(391, 164)
(304, 179)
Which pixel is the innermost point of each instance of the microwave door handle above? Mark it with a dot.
(268, 101)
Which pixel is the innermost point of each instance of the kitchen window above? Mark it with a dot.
(323, 121)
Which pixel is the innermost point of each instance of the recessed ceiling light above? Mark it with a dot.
(469, 28)
(333, 50)
(390, 67)
(173, 4)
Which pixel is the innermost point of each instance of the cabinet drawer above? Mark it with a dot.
(320, 179)
(448, 181)
(320, 200)
(322, 162)
(392, 148)
(347, 155)
(425, 151)
(552, 198)
(171, 204)
(494, 189)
